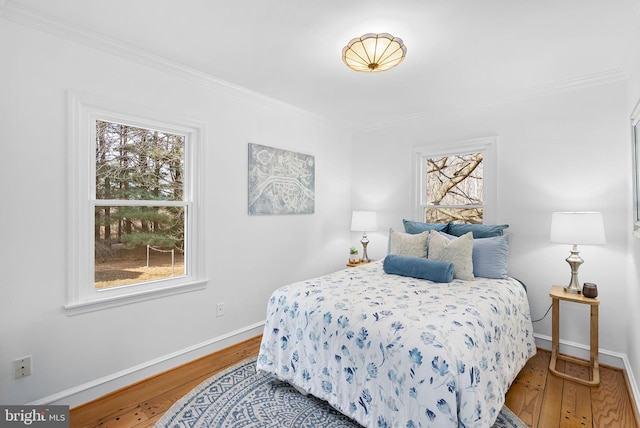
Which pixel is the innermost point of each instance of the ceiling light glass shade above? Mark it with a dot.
(374, 52)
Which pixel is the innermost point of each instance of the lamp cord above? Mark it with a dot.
(545, 314)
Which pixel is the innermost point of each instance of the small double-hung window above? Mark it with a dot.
(133, 215)
(456, 182)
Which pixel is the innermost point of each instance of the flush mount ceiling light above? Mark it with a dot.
(374, 52)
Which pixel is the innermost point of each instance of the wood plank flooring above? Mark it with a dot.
(142, 404)
(539, 398)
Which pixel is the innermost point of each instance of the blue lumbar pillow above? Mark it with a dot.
(418, 267)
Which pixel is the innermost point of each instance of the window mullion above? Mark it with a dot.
(475, 160)
(137, 203)
(459, 207)
(114, 156)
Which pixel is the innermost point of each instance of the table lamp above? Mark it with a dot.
(576, 228)
(363, 221)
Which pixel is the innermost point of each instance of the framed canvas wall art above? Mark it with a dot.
(280, 181)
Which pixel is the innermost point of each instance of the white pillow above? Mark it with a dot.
(458, 251)
(407, 244)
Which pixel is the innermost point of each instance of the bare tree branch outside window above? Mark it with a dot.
(454, 189)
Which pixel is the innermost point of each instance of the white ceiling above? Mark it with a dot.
(459, 52)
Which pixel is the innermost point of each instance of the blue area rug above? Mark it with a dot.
(240, 397)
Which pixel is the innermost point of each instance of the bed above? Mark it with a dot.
(397, 351)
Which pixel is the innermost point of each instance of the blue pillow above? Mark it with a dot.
(490, 256)
(415, 227)
(417, 267)
(478, 230)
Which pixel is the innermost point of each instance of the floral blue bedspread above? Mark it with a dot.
(392, 351)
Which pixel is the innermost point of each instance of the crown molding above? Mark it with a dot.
(31, 18)
(41, 22)
(580, 82)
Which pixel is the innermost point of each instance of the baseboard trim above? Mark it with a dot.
(92, 390)
(97, 388)
(605, 356)
(579, 350)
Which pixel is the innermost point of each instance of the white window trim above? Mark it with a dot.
(82, 297)
(485, 145)
(635, 156)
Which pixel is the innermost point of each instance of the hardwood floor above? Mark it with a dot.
(142, 404)
(541, 399)
(538, 397)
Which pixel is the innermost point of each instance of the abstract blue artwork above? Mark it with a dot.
(280, 181)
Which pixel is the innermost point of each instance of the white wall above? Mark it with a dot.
(561, 152)
(247, 257)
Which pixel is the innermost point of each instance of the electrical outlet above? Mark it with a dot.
(22, 367)
(220, 309)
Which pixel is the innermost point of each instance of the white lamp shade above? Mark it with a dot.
(364, 221)
(579, 228)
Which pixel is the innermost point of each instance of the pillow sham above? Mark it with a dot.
(419, 227)
(478, 230)
(406, 244)
(490, 256)
(457, 251)
(416, 267)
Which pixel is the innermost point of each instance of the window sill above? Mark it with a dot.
(77, 308)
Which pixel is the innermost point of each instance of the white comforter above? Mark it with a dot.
(391, 351)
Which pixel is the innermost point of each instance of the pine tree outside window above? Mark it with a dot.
(134, 241)
(134, 213)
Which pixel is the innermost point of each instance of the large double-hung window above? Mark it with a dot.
(134, 205)
(456, 182)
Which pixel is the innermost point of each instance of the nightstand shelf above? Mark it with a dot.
(557, 294)
(356, 264)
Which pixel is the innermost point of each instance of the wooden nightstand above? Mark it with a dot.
(558, 293)
(351, 264)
